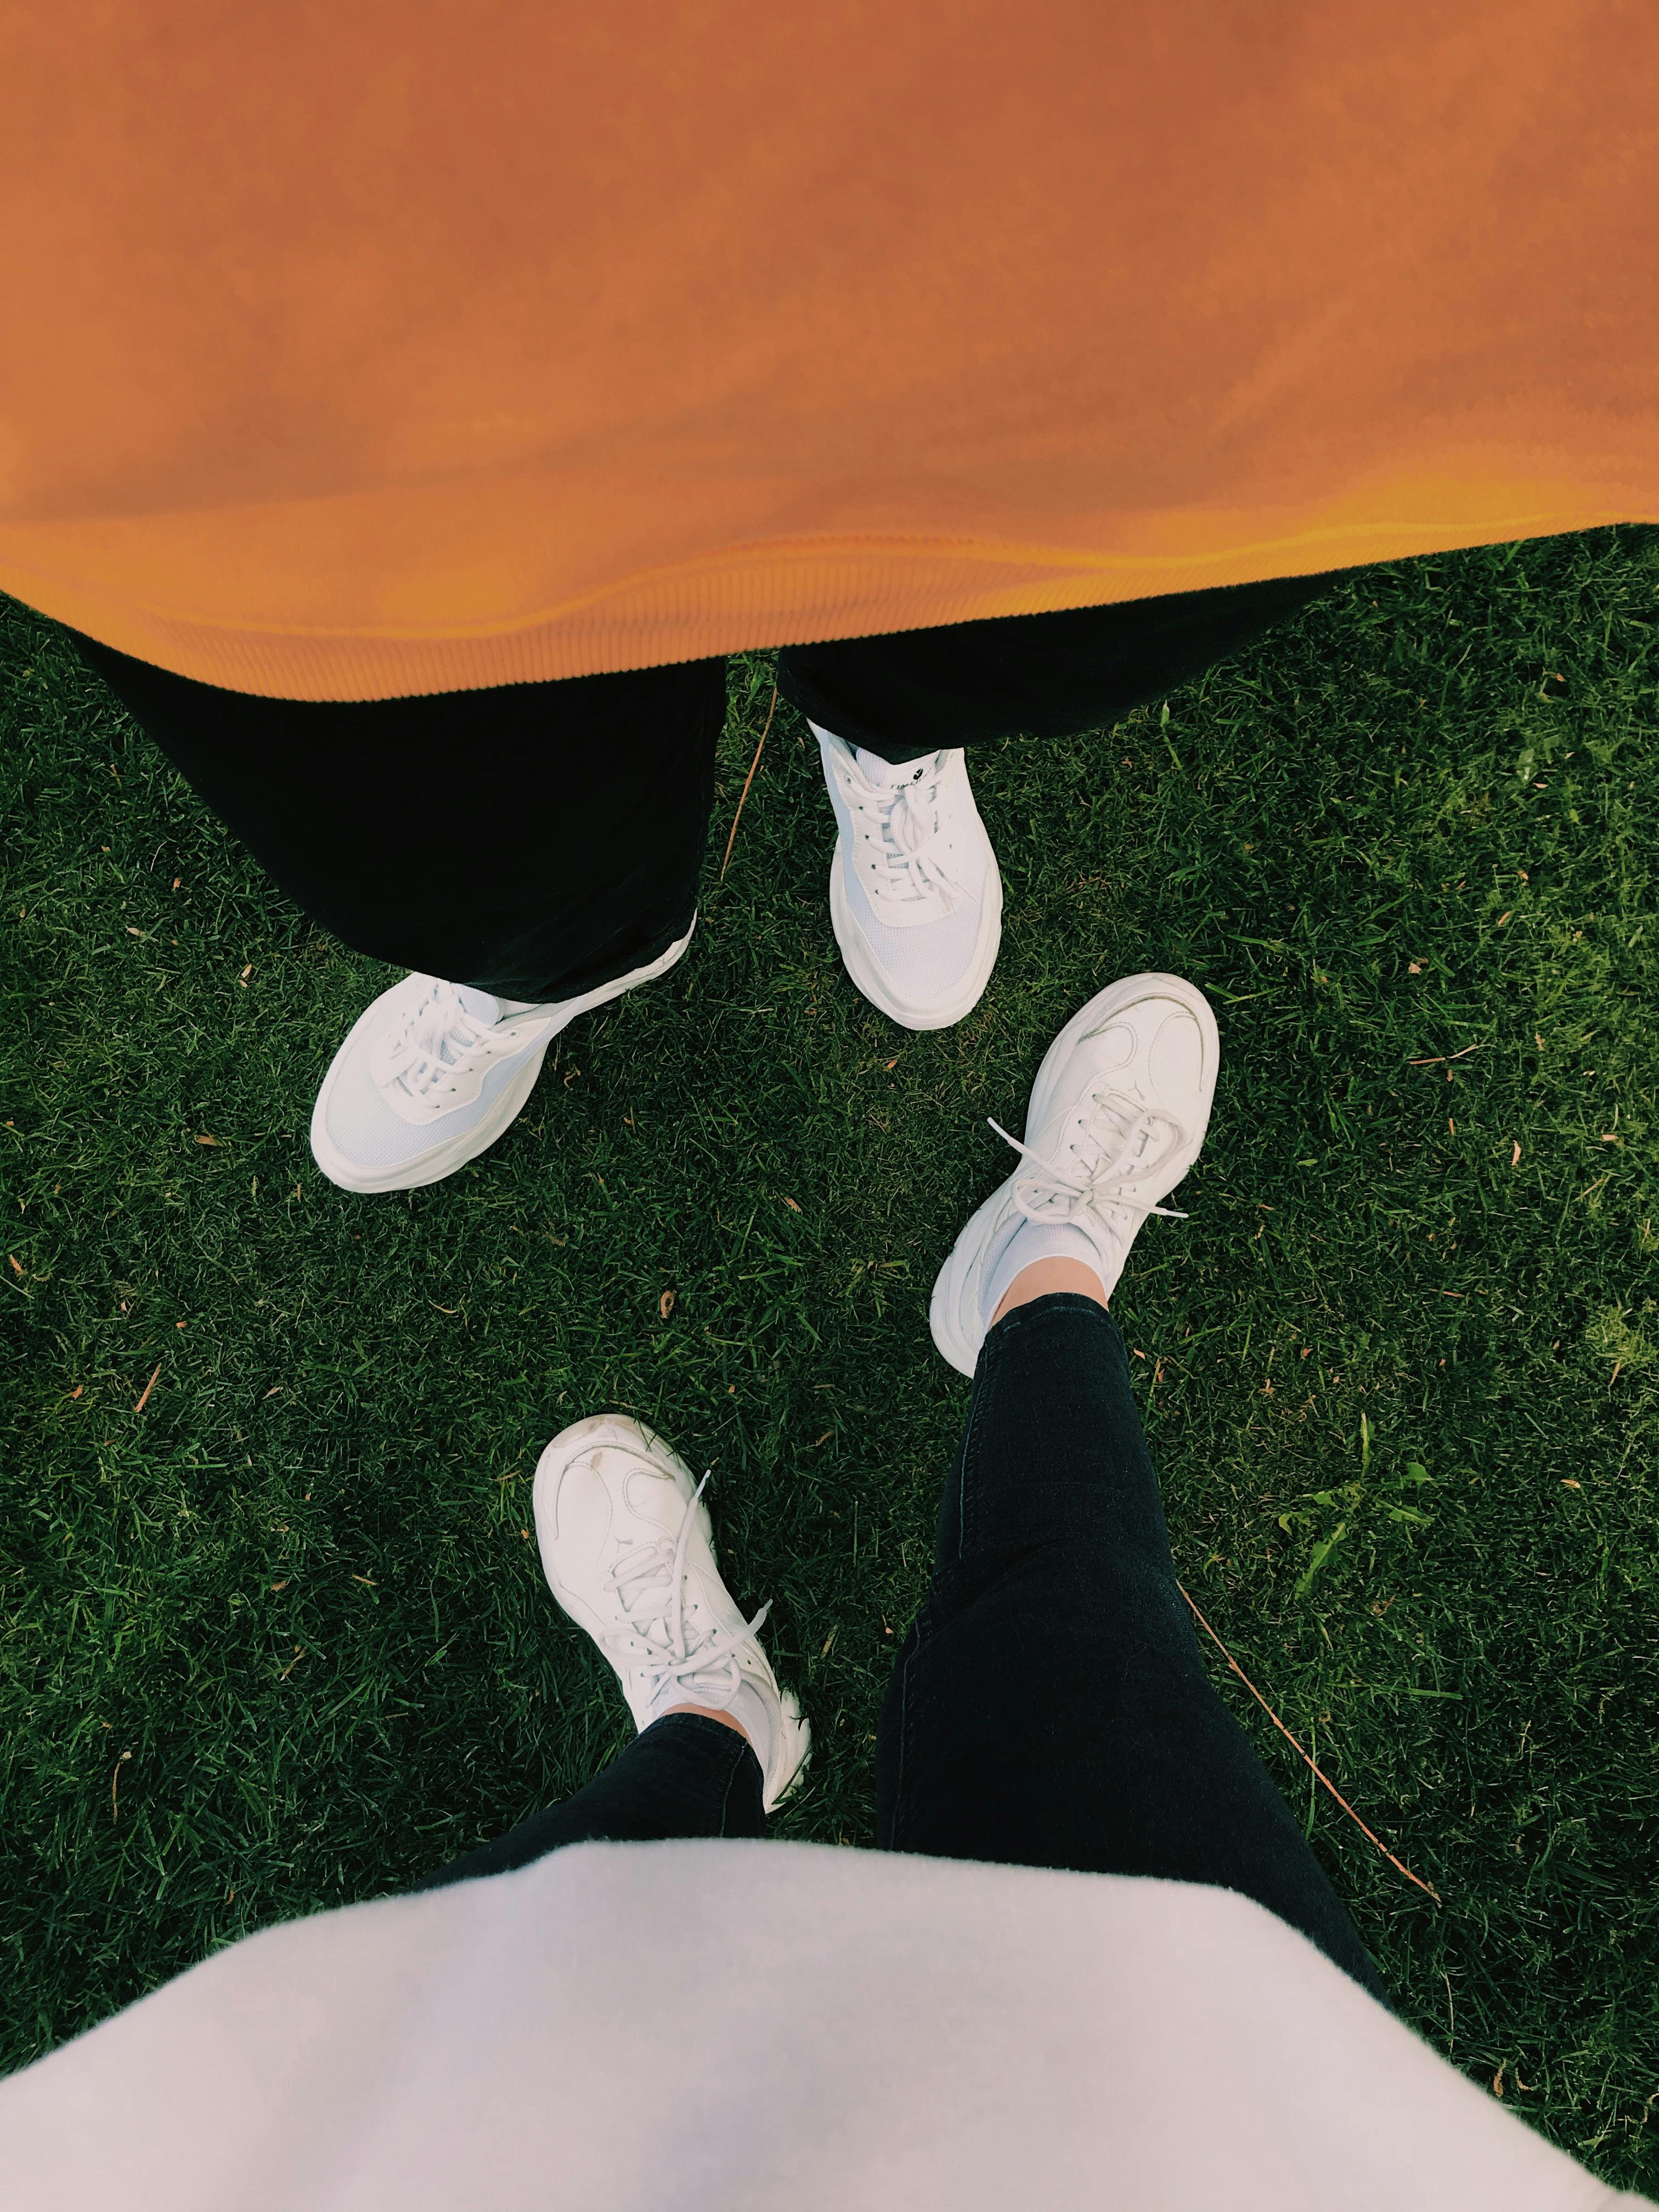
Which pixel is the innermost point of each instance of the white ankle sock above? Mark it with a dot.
(1035, 1240)
(748, 1709)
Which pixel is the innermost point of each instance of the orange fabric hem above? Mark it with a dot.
(745, 598)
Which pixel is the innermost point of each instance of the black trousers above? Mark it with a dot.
(540, 838)
(1049, 1706)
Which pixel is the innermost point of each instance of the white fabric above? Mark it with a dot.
(1025, 1242)
(780, 2026)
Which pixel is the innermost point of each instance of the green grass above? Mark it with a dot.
(292, 1601)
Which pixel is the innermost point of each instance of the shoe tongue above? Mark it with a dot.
(637, 1580)
(889, 774)
(481, 1005)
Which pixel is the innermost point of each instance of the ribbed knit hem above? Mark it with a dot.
(747, 599)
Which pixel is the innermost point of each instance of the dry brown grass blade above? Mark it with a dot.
(1439, 1059)
(1425, 1887)
(148, 1387)
(747, 780)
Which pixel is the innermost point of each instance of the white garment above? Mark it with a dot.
(780, 2026)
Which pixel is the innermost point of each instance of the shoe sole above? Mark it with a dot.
(861, 966)
(953, 1309)
(445, 1159)
(793, 1744)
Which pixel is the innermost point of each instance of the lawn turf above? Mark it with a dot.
(278, 1639)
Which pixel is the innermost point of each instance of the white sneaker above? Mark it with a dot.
(915, 897)
(431, 1073)
(627, 1552)
(1117, 1116)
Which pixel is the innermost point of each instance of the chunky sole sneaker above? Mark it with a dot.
(1117, 1116)
(629, 1554)
(916, 896)
(432, 1072)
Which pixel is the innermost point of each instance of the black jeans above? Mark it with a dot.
(540, 838)
(1049, 1706)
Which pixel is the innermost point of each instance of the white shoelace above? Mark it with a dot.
(441, 1043)
(1056, 1193)
(649, 1582)
(902, 819)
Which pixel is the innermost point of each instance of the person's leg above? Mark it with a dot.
(529, 851)
(1049, 1705)
(534, 841)
(915, 895)
(629, 1554)
(1044, 676)
(689, 1774)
